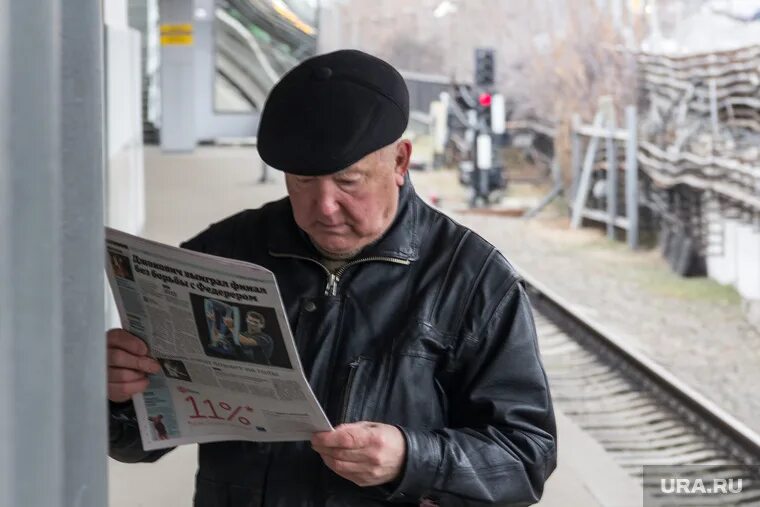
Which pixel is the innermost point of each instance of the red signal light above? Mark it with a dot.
(485, 99)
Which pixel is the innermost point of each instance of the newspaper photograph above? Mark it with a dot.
(229, 365)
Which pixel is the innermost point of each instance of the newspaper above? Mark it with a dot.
(230, 369)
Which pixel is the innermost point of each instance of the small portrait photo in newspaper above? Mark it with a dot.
(239, 332)
(121, 265)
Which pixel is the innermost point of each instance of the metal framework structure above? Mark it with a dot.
(591, 172)
(698, 153)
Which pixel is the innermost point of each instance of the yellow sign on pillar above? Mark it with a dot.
(185, 39)
(177, 35)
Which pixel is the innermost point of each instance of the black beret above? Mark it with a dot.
(330, 111)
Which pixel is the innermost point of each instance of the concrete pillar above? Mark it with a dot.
(748, 270)
(7, 492)
(721, 267)
(177, 80)
(52, 352)
(82, 261)
(748, 261)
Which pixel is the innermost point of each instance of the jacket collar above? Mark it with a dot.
(400, 241)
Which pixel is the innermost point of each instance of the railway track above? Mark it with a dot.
(639, 412)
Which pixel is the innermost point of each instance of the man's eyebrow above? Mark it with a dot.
(349, 171)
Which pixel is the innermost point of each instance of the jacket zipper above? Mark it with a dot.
(347, 393)
(331, 287)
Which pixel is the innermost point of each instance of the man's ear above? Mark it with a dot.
(403, 157)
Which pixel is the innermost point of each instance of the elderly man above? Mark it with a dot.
(415, 333)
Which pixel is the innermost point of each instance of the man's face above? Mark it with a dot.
(345, 211)
(254, 323)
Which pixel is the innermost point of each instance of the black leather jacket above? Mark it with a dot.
(429, 329)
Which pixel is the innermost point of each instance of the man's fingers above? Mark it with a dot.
(335, 438)
(347, 436)
(122, 391)
(119, 358)
(357, 473)
(121, 339)
(344, 468)
(128, 362)
(352, 455)
(124, 375)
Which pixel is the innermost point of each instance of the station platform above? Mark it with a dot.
(185, 193)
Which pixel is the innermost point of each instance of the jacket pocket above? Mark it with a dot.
(415, 387)
(400, 384)
(412, 396)
(354, 391)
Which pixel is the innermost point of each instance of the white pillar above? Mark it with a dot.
(52, 371)
(748, 261)
(82, 248)
(721, 265)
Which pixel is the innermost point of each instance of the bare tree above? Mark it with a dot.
(566, 71)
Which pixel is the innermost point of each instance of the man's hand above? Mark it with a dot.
(128, 363)
(366, 453)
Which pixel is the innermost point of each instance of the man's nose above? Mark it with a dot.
(326, 199)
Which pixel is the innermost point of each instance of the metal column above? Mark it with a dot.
(52, 349)
(632, 176)
(612, 174)
(576, 154)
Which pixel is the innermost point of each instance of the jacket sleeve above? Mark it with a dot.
(501, 444)
(124, 440)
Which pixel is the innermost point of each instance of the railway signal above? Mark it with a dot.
(485, 67)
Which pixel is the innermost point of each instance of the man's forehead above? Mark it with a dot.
(359, 166)
(363, 165)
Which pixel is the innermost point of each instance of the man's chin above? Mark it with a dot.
(336, 248)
